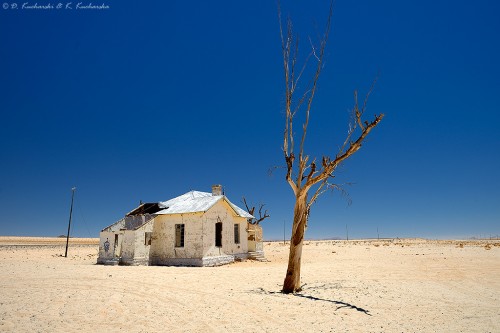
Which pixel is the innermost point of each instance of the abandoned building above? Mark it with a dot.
(194, 229)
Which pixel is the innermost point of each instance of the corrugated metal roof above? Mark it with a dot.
(195, 201)
(239, 211)
(189, 196)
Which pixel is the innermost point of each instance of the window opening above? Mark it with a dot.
(179, 235)
(236, 233)
(147, 238)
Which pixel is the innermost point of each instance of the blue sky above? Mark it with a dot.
(146, 101)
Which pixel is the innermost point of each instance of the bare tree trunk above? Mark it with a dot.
(304, 173)
(292, 278)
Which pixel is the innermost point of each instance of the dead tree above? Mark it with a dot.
(307, 177)
(251, 211)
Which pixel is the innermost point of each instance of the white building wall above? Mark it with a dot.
(222, 212)
(127, 246)
(135, 250)
(130, 247)
(142, 248)
(107, 240)
(199, 238)
(163, 249)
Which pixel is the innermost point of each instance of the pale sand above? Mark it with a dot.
(355, 286)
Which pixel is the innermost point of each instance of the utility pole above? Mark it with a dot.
(378, 235)
(347, 232)
(69, 224)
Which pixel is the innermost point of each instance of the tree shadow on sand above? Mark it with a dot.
(340, 304)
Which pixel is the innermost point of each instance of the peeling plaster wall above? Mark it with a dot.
(163, 239)
(199, 238)
(255, 238)
(131, 247)
(141, 249)
(109, 238)
(128, 242)
(137, 252)
(222, 212)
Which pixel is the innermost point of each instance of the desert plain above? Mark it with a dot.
(408, 285)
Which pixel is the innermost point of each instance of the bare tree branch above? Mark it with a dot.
(326, 186)
(256, 220)
(250, 211)
(262, 217)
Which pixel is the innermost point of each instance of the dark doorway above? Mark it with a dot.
(116, 248)
(218, 234)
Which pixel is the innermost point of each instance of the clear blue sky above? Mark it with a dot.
(148, 100)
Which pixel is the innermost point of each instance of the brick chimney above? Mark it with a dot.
(216, 190)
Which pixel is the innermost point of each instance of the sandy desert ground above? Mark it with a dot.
(355, 286)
